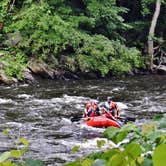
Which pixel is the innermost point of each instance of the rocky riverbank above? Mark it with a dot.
(38, 68)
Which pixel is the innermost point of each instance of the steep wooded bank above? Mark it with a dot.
(73, 38)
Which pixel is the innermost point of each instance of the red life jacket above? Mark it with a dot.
(92, 109)
(113, 105)
(89, 106)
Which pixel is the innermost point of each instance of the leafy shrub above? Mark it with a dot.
(14, 65)
(47, 31)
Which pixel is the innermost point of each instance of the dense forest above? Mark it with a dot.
(73, 38)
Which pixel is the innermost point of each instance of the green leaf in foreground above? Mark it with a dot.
(133, 150)
(159, 156)
(75, 148)
(117, 160)
(4, 156)
(24, 141)
(6, 132)
(16, 153)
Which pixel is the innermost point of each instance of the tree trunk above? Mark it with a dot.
(151, 33)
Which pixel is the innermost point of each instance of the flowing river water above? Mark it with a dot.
(41, 113)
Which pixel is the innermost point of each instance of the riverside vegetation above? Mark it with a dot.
(145, 146)
(107, 38)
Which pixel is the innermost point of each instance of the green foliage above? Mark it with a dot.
(3, 7)
(100, 143)
(87, 33)
(21, 147)
(135, 150)
(75, 149)
(107, 16)
(102, 55)
(14, 65)
(159, 155)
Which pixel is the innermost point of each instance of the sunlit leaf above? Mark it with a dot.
(24, 141)
(149, 127)
(159, 156)
(100, 143)
(140, 160)
(9, 163)
(4, 156)
(133, 150)
(87, 162)
(16, 153)
(6, 132)
(75, 149)
(117, 160)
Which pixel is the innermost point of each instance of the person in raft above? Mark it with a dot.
(111, 107)
(91, 109)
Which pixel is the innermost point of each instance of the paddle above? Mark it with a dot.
(76, 119)
(123, 119)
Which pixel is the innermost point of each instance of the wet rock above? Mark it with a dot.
(88, 75)
(13, 38)
(163, 60)
(3, 78)
(161, 70)
(40, 68)
(6, 80)
(28, 76)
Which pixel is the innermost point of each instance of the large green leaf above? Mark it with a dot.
(121, 136)
(111, 132)
(4, 156)
(117, 160)
(16, 153)
(147, 128)
(87, 162)
(108, 154)
(133, 150)
(159, 156)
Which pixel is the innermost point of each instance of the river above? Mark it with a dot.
(41, 113)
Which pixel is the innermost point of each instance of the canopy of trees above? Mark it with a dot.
(105, 37)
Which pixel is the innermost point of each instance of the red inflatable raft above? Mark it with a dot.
(101, 121)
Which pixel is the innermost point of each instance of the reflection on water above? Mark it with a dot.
(41, 112)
